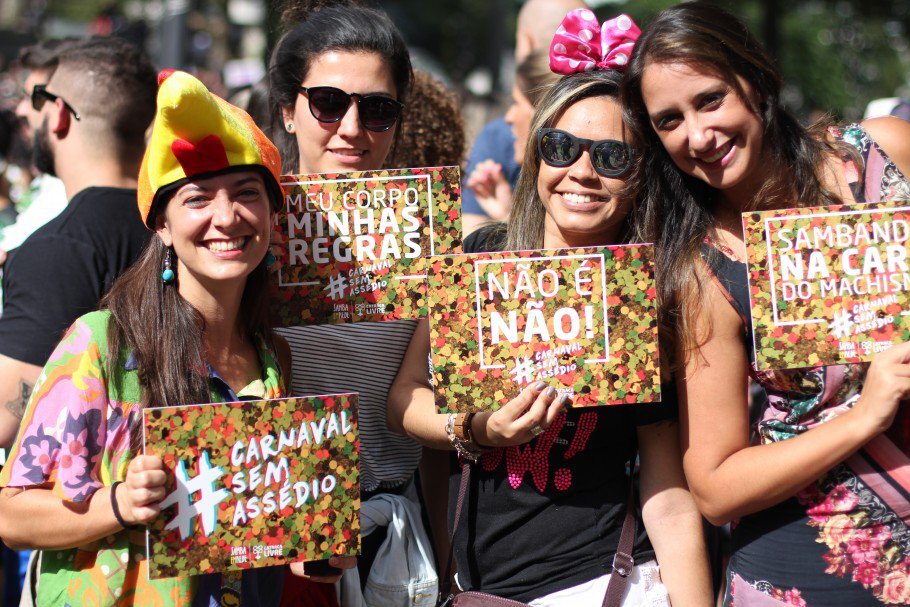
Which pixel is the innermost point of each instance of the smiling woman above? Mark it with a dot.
(528, 537)
(186, 324)
(218, 228)
(816, 522)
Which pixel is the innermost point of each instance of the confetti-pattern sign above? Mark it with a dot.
(254, 484)
(582, 320)
(828, 285)
(352, 247)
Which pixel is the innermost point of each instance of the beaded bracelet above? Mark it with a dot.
(116, 508)
(464, 448)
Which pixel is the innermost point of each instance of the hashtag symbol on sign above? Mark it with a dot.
(206, 507)
(336, 287)
(841, 324)
(523, 370)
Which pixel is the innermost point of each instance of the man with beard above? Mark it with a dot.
(46, 196)
(89, 126)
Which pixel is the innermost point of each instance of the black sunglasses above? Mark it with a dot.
(40, 94)
(377, 113)
(609, 157)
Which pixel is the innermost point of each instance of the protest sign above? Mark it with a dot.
(353, 246)
(254, 483)
(828, 285)
(583, 320)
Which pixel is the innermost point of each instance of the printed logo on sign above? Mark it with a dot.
(524, 302)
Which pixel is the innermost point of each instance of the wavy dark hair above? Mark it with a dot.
(151, 321)
(676, 211)
(318, 27)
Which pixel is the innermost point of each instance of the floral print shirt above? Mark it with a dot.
(78, 434)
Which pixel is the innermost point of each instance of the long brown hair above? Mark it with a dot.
(151, 321)
(675, 209)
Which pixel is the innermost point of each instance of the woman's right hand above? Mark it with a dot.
(887, 383)
(527, 415)
(140, 494)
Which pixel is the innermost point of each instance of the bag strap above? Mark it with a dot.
(623, 561)
(446, 585)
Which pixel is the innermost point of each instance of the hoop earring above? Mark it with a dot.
(167, 274)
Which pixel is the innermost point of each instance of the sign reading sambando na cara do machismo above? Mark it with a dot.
(828, 285)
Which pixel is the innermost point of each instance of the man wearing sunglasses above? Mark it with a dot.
(46, 197)
(88, 122)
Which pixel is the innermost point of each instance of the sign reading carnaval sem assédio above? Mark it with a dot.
(353, 246)
(254, 483)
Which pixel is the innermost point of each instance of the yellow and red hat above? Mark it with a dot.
(195, 135)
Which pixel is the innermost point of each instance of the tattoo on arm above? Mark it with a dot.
(17, 405)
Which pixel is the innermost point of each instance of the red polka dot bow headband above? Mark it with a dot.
(582, 45)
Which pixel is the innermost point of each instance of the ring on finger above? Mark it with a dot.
(536, 430)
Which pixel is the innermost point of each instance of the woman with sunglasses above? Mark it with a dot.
(820, 519)
(337, 79)
(185, 324)
(543, 518)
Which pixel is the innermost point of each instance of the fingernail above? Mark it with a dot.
(551, 392)
(540, 386)
(564, 399)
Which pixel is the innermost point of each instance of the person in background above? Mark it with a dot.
(88, 130)
(494, 145)
(431, 131)
(820, 516)
(46, 196)
(491, 189)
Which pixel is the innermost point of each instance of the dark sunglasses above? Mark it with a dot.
(609, 157)
(40, 95)
(377, 113)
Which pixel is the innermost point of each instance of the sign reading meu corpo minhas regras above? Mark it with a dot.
(828, 285)
(353, 247)
(582, 320)
(254, 483)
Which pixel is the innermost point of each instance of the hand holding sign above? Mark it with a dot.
(887, 383)
(140, 497)
(515, 423)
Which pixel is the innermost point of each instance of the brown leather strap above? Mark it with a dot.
(446, 583)
(623, 561)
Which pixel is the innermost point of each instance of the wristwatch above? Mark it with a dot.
(462, 427)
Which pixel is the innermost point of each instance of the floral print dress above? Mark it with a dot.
(78, 435)
(844, 539)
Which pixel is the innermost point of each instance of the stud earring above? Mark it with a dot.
(167, 275)
(290, 127)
